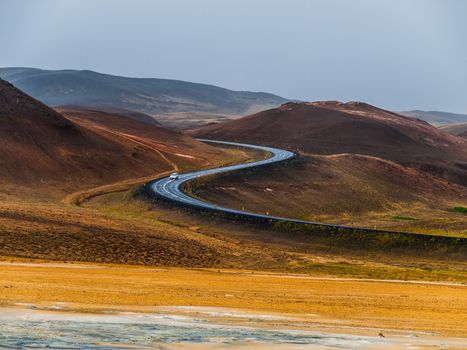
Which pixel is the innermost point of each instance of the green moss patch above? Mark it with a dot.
(398, 217)
(462, 210)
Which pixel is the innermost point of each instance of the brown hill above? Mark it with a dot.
(344, 189)
(177, 149)
(332, 127)
(456, 129)
(40, 148)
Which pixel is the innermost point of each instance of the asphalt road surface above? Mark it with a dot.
(171, 189)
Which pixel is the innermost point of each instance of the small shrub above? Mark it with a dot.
(462, 210)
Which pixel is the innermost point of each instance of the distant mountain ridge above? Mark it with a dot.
(145, 95)
(437, 118)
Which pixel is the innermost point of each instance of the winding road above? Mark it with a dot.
(171, 189)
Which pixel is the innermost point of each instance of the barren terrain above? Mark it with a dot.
(358, 165)
(44, 153)
(331, 127)
(149, 254)
(456, 129)
(345, 189)
(317, 301)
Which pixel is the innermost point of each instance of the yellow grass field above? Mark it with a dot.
(331, 302)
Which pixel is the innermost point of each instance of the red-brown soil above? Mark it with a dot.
(331, 127)
(344, 189)
(456, 129)
(176, 148)
(141, 117)
(42, 149)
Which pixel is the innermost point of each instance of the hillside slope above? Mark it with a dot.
(345, 189)
(328, 128)
(456, 129)
(150, 96)
(359, 166)
(178, 149)
(41, 149)
(137, 116)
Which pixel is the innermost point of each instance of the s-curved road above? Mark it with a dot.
(170, 189)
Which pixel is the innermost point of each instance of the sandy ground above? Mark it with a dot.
(321, 302)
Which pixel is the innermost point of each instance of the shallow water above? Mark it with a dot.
(31, 329)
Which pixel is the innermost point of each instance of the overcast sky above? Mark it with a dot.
(397, 54)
